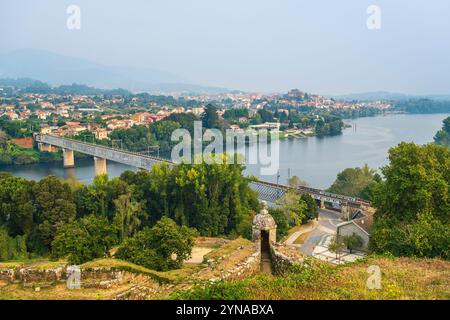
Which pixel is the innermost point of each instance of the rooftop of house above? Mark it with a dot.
(364, 222)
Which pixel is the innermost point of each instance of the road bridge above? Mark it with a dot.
(267, 191)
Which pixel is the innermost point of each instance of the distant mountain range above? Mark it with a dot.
(385, 95)
(57, 69)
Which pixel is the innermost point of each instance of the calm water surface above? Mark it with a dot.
(316, 160)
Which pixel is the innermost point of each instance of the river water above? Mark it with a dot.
(316, 160)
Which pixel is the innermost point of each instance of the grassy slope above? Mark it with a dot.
(402, 278)
(59, 291)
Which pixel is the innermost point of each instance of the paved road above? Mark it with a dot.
(327, 225)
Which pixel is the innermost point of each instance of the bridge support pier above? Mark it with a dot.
(46, 147)
(100, 166)
(69, 161)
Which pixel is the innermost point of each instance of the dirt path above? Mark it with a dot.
(197, 254)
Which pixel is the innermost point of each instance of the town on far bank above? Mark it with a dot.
(143, 122)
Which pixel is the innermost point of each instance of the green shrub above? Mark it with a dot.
(352, 242)
(163, 247)
(282, 222)
(85, 239)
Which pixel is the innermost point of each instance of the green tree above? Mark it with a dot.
(185, 120)
(16, 205)
(329, 126)
(312, 211)
(99, 197)
(256, 119)
(282, 222)
(266, 115)
(213, 198)
(86, 201)
(412, 201)
(293, 207)
(14, 128)
(235, 114)
(128, 215)
(12, 248)
(83, 240)
(296, 182)
(443, 136)
(244, 227)
(337, 246)
(352, 242)
(210, 118)
(163, 247)
(354, 182)
(429, 237)
(54, 207)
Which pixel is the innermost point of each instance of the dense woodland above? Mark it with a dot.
(137, 212)
(140, 213)
(423, 106)
(66, 218)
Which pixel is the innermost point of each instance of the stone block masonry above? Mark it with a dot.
(283, 258)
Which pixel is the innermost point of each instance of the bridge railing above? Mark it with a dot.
(318, 192)
(39, 139)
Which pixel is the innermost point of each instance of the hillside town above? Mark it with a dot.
(99, 115)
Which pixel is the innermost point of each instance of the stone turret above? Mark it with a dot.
(263, 221)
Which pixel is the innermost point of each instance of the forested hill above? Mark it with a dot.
(27, 85)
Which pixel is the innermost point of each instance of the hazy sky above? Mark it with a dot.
(316, 45)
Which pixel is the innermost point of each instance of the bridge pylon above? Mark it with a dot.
(100, 166)
(68, 158)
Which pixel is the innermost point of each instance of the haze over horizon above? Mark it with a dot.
(323, 47)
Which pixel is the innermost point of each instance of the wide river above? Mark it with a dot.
(316, 160)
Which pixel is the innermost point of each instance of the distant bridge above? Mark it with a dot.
(267, 191)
